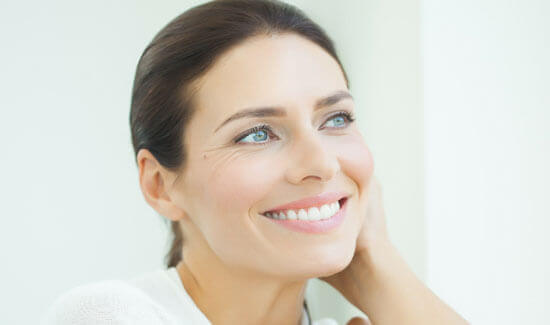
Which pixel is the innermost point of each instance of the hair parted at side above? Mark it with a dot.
(162, 99)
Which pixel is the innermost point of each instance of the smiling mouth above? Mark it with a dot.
(318, 213)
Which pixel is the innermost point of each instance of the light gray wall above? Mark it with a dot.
(72, 211)
(487, 112)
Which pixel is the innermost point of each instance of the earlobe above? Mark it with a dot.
(153, 183)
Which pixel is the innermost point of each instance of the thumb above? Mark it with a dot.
(359, 321)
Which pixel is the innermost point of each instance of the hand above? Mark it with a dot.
(374, 229)
(379, 282)
(359, 321)
(373, 234)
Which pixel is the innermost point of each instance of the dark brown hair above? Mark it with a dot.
(183, 51)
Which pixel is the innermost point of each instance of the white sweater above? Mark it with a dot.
(157, 297)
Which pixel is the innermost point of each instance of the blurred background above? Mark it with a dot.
(453, 98)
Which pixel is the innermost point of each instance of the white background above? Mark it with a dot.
(452, 96)
(486, 67)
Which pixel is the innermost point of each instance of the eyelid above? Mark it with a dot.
(348, 115)
(253, 129)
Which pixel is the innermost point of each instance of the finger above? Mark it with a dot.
(375, 185)
(359, 321)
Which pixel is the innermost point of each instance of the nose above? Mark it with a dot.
(311, 158)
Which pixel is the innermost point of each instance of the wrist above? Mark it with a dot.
(375, 265)
(388, 292)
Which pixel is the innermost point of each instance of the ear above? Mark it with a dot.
(155, 181)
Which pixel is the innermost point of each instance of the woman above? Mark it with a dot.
(243, 128)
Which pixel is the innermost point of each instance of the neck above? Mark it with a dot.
(228, 296)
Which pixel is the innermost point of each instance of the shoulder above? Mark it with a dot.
(105, 302)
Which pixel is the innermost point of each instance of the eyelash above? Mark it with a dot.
(264, 127)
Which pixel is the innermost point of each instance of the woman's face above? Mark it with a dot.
(232, 175)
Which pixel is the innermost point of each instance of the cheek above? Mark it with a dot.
(234, 186)
(357, 162)
(237, 183)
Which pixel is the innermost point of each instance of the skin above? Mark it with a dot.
(233, 257)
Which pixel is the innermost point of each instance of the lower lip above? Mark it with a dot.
(319, 226)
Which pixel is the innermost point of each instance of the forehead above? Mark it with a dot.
(283, 70)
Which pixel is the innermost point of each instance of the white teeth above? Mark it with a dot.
(302, 214)
(326, 211)
(291, 215)
(313, 214)
(335, 206)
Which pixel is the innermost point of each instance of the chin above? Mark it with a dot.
(335, 267)
(328, 264)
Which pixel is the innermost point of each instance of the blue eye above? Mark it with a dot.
(338, 120)
(257, 133)
(341, 119)
(261, 133)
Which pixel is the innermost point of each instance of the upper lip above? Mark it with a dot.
(312, 201)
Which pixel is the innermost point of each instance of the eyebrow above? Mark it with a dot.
(278, 111)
